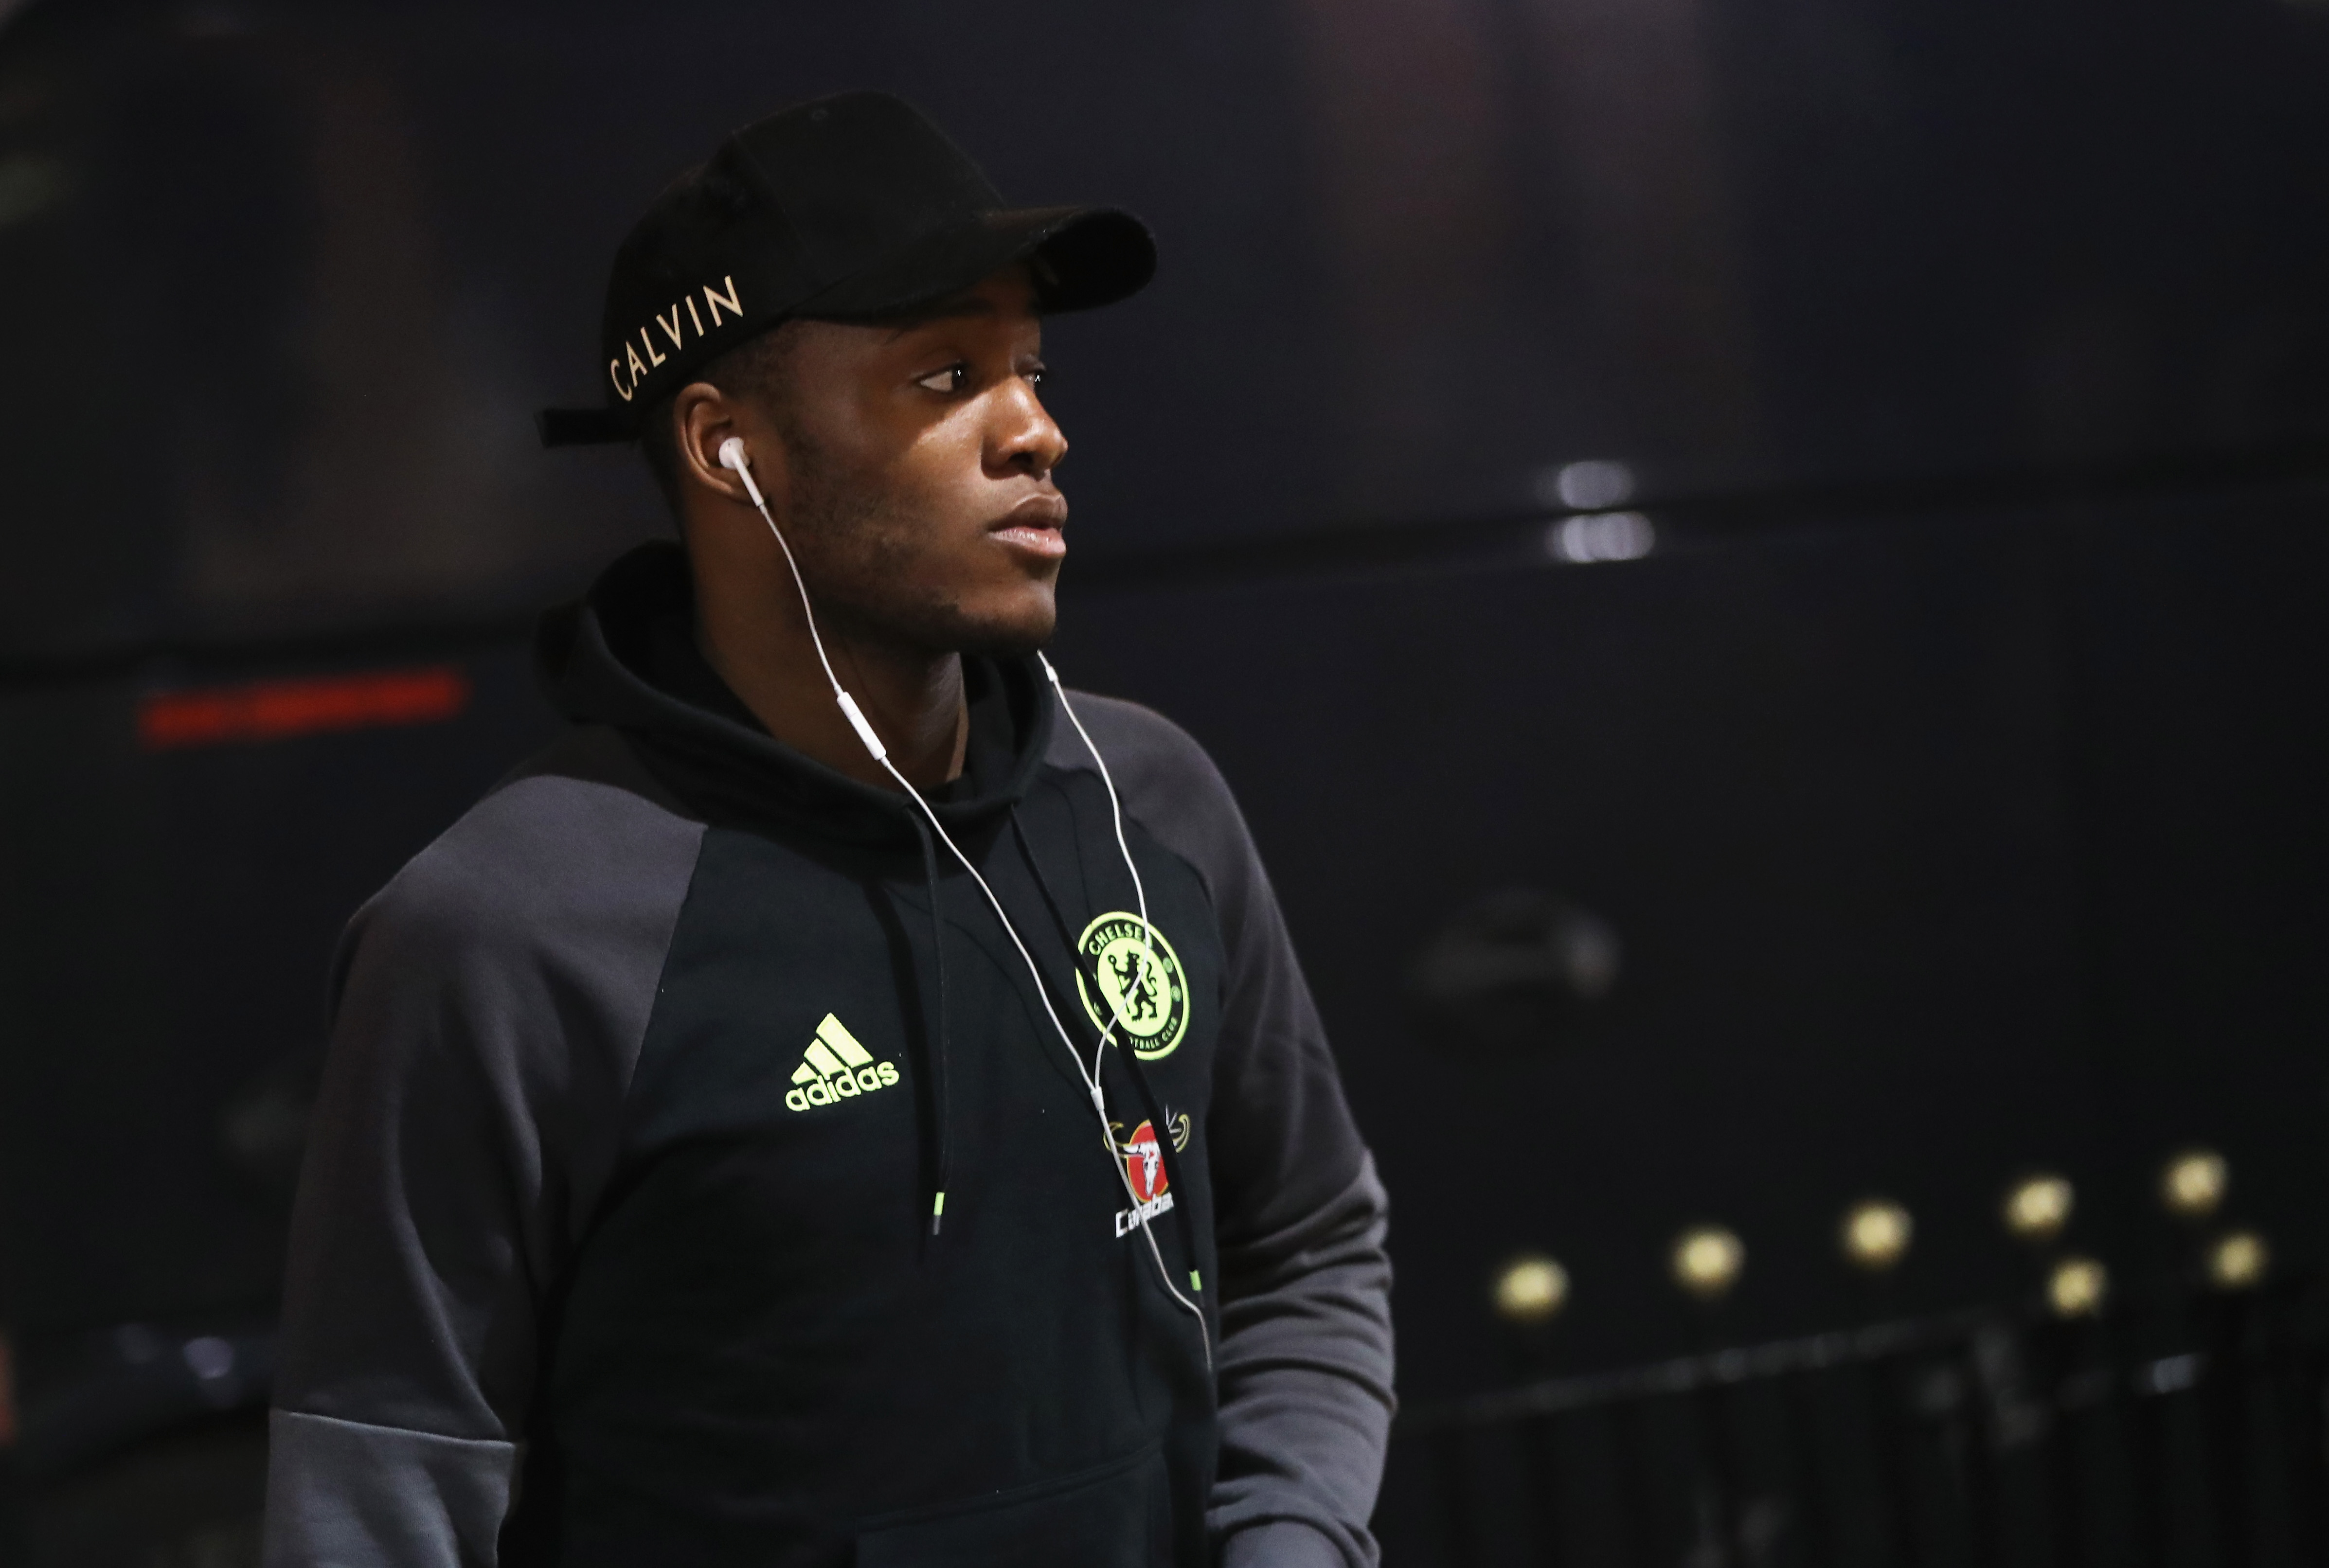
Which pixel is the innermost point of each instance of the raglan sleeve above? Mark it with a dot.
(1306, 1357)
(481, 1036)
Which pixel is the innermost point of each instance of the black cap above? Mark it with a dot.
(849, 208)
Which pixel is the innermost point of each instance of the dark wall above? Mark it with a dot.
(292, 279)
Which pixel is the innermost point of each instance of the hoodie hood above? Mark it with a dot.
(624, 655)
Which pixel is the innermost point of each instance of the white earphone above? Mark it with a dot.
(732, 457)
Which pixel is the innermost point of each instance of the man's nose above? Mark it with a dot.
(1026, 437)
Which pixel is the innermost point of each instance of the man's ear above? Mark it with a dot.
(702, 419)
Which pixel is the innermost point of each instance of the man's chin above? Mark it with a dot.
(995, 633)
(1005, 624)
(1004, 640)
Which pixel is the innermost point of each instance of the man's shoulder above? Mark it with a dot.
(1167, 783)
(579, 834)
(1145, 751)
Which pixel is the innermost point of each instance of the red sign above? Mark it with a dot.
(277, 710)
(1144, 1161)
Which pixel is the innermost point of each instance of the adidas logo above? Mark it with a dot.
(836, 1067)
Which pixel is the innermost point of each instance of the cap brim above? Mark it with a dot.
(1081, 258)
(1086, 256)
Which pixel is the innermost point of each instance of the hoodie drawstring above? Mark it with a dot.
(940, 1157)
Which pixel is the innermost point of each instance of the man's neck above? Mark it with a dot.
(913, 698)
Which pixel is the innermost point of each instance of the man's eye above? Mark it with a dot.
(950, 380)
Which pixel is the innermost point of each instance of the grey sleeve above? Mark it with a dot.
(1304, 1365)
(488, 1010)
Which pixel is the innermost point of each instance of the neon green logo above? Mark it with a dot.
(1131, 979)
(836, 1067)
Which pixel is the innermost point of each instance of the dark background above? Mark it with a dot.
(1953, 773)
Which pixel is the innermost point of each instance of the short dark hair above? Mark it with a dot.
(758, 369)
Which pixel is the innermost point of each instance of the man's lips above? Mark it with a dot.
(1035, 526)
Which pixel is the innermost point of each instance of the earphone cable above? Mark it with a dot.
(731, 457)
(1116, 813)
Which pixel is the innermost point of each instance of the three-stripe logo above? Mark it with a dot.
(835, 1067)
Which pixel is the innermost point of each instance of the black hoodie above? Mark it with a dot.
(699, 1180)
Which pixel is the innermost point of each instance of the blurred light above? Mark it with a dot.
(1592, 957)
(1707, 1259)
(2038, 1208)
(2077, 1287)
(1875, 1235)
(281, 709)
(2170, 1374)
(1606, 536)
(1594, 486)
(209, 1358)
(2239, 1261)
(1531, 1289)
(2193, 1183)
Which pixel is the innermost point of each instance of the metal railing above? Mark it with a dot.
(2186, 1429)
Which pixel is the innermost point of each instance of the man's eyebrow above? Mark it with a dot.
(960, 306)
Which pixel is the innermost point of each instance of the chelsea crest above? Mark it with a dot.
(1130, 979)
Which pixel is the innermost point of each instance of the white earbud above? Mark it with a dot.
(732, 458)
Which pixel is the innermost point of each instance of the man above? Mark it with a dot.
(707, 1169)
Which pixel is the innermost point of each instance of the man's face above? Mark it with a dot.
(919, 462)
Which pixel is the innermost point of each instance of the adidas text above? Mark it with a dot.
(835, 1067)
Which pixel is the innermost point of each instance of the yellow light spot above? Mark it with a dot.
(1531, 1288)
(1875, 1234)
(2239, 1261)
(2039, 1207)
(2192, 1185)
(2077, 1287)
(1707, 1259)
